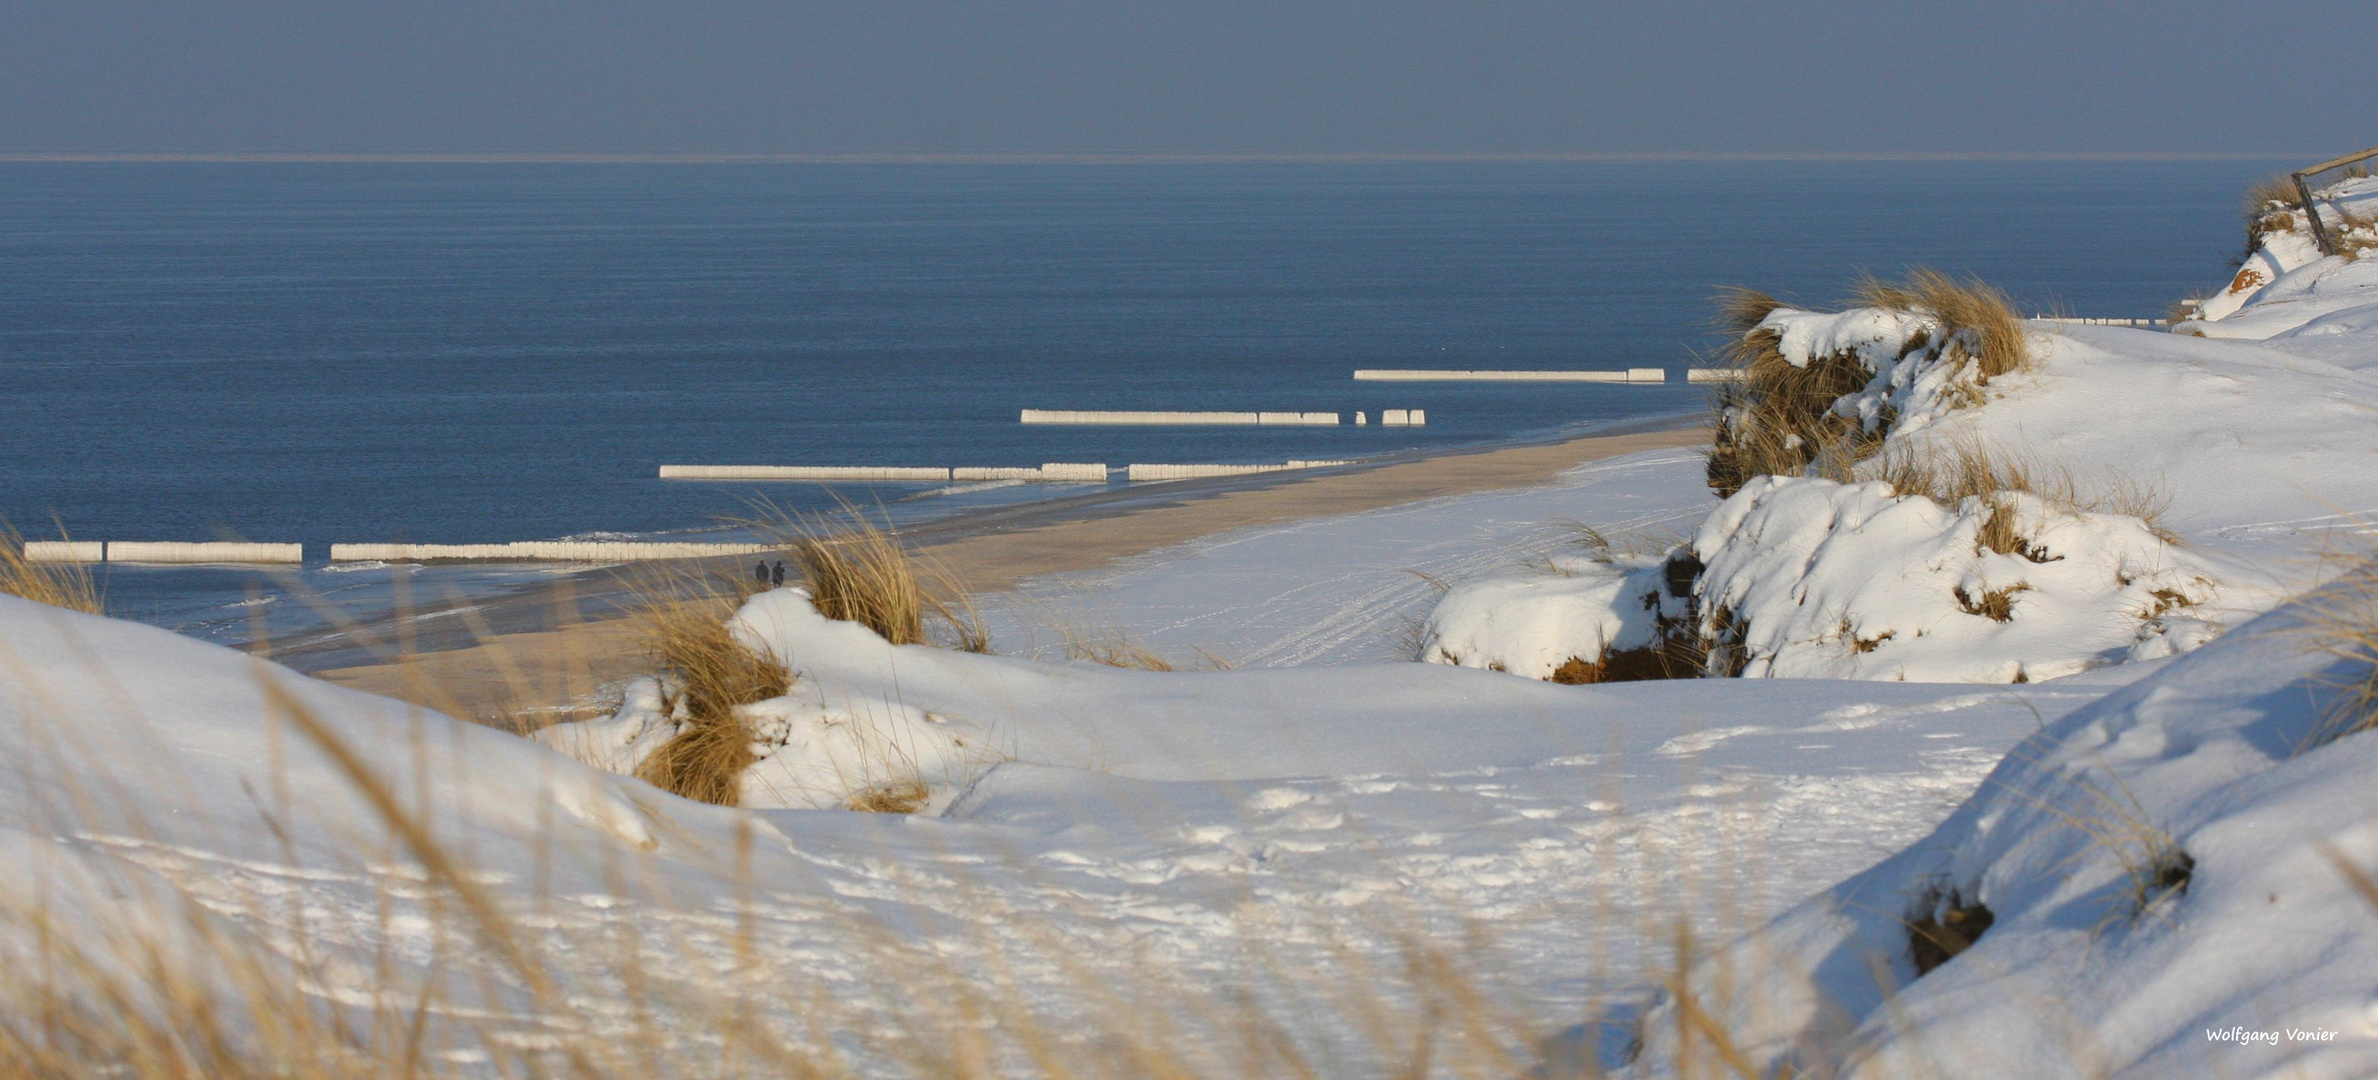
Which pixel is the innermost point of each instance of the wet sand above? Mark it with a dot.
(540, 651)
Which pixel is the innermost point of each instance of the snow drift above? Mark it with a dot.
(2190, 856)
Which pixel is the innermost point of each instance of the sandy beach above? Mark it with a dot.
(489, 668)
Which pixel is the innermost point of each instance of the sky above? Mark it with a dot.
(1160, 77)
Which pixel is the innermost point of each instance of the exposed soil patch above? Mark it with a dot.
(1948, 924)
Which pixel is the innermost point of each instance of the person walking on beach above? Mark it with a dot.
(759, 573)
(776, 576)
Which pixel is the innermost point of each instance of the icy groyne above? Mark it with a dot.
(160, 551)
(1054, 472)
(1075, 416)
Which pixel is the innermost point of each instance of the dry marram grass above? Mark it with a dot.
(1977, 318)
(2356, 236)
(707, 672)
(858, 571)
(905, 796)
(1778, 419)
(2341, 619)
(2271, 205)
(1949, 473)
(62, 585)
(854, 571)
(1113, 649)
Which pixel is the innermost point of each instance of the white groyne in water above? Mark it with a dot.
(805, 472)
(1143, 473)
(1058, 472)
(1054, 471)
(994, 473)
(65, 551)
(1714, 374)
(1403, 418)
(1075, 416)
(162, 551)
(1630, 375)
(541, 551)
(2073, 320)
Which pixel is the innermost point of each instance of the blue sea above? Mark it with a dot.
(482, 353)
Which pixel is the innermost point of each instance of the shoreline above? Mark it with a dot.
(560, 643)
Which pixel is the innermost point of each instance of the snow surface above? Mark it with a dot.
(2215, 757)
(1139, 818)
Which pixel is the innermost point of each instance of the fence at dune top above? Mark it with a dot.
(2338, 194)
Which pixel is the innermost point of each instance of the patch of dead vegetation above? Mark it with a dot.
(905, 796)
(1112, 648)
(1996, 605)
(1778, 419)
(2356, 237)
(1951, 472)
(706, 672)
(1977, 319)
(1778, 416)
(1945, 922)
(2270, 205)
(1679, 655)
(858, 571)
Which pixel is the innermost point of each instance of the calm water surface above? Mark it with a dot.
(481, 353)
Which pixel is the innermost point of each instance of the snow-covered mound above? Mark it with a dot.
(1592, 619)
(2174, 881)
(1782, 581)
(1808, 578)
(2286, 289)
(2032, 571)
(815, 748)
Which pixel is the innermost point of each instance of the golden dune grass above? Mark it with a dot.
(1778, 419)
(858, 571)
(707, 673)
(63, 585)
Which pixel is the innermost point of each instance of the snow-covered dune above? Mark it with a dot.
(2163, 884)
(2139, 493)
(1130, 819)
